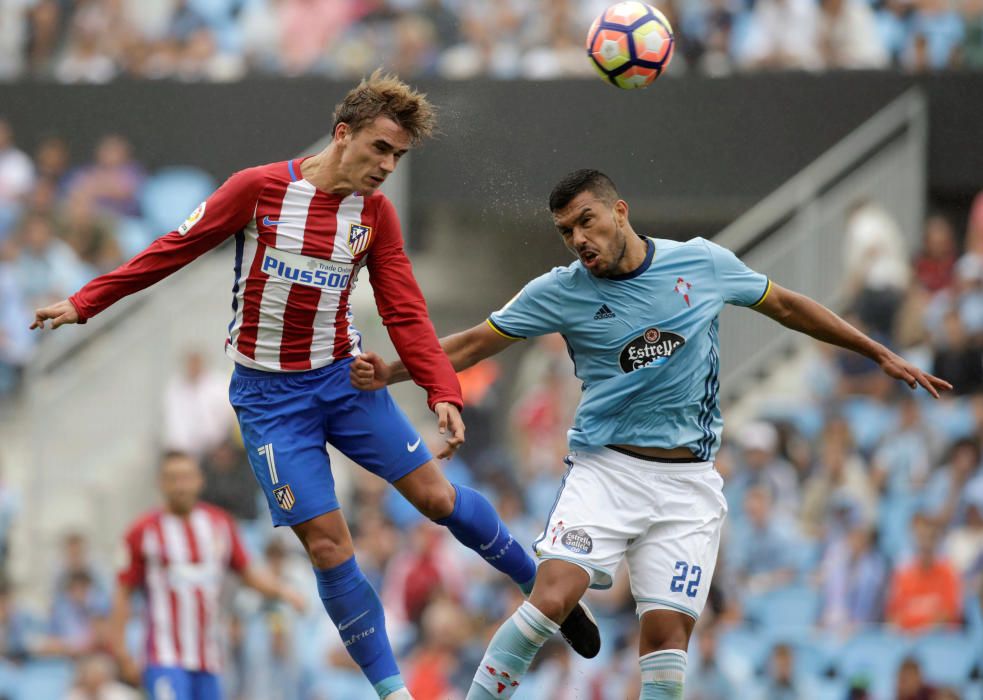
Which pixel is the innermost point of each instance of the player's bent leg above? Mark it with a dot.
(471, 518)
(350, 600)
(662, 646)
(559, 587)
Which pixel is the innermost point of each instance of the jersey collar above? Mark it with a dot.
(649, 254)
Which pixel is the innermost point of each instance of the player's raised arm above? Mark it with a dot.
(800, 313)
(370, 372)
(224, 213)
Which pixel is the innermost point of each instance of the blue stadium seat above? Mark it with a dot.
(215, 12)
(44, 680)
(947, 658)
(792, 608)
(875, 655)
(894, 523)
(133, 235)
(171, 194)
(742, 651)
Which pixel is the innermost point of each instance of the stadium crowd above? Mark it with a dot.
(95, 41)
(852, 564)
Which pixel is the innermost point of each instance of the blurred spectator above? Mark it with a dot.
(963, 545)
(945, 494)
(936, 33)
(780, 680)
(877, 265)
(15, 338)
(197, 415)
(760, 463)
(925, 592)
(95, 679)
(47, 269)
(16, 627)
(705, 680)
(848, 36)
(47, 28)
(16, 179)
(852, 577)
(903, 460)
(782, 34)
(840, 480)
(762, 549)
(88, 55)
(52, 159)
(911, 685)
(75, 559)
(78, 618)
(421, 572)
(113, 180)
(445, 659)
(229, 483)
(91, 234)
(935, 262)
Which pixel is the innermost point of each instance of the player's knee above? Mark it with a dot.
(325, 553)
(437, 503)
(554, 603)
(665, 629)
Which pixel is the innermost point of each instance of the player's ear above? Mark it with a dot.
(621, 212)
(341, 131)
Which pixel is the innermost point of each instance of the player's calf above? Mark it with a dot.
(357, 612)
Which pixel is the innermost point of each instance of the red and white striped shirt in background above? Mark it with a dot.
(179, 564)
(298, 253)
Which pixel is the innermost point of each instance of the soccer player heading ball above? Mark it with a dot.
(639, 315)
(304, 229)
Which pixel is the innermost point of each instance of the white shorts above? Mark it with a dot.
(666, 517)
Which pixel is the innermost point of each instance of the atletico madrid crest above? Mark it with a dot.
(358, 238)
(285, 497)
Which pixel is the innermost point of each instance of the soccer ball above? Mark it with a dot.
(630, 44)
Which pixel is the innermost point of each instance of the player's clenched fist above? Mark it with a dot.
(369, 372)
(63, 312)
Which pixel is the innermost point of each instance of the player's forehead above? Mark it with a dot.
(386, 129)
(582, 203)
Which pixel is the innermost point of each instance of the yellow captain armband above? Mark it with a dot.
(491, 324)
(763, 296)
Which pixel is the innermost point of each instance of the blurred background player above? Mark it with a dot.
(177, 556)
(304, 228)
(640, 319)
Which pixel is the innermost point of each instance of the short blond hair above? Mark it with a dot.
(385, 95)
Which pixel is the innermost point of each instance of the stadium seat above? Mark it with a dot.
(171, 194)
(792, 608)
(742, 652)
(873, 655)
(870, 420)
(44, 679)
(133, 235)
(948, 658)
(894, 524)
(215, 12)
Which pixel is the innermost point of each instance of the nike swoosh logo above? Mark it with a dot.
(484, 547)
(342, 627)
(412, 448)
(267, 221)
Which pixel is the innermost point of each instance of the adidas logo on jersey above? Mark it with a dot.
(603, 312)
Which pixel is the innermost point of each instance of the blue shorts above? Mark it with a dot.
(286, 419)
(167, 683)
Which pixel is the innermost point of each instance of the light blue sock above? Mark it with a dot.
(663, 673)
(510, 652)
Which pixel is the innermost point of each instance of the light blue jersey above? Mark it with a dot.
(644, 344)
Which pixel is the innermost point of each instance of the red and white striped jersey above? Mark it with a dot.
(179, 564)
(298, 253)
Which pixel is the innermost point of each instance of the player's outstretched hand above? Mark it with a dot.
(449, 420)
(896, 367)
(63, 312)
(369, 372)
